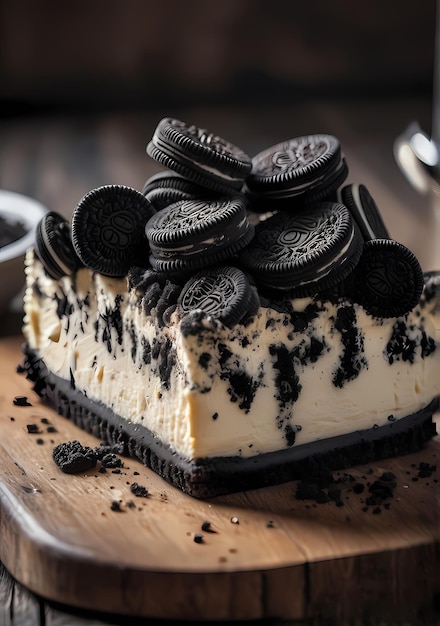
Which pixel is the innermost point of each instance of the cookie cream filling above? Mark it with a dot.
(300, 371)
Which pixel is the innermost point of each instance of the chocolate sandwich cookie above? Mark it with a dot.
(298, 171)
(201, 156)
(167, 187)
(364, 210)
(192, 234)
(108, 229)
(53, 246)
(306, 251)
(388, 280)
(223, 292)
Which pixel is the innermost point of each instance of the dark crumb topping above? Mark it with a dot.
(287, 380)
(111, 319)
(64, 307)
(204, 360)
(196, 322)
(167, 358)
(224, 354)
(242, 388)
(401, 347)
(289, 434)
(352, 359)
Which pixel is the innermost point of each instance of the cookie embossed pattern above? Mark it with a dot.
(237, 322)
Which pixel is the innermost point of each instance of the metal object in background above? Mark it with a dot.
(418, 156)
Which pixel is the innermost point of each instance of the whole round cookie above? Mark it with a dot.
(223, 292)
(53, 246)
(388, 280)
(300, 170)
(108, 229)
(364, 210)
(311, 249)
(194, 233)
(197, 154)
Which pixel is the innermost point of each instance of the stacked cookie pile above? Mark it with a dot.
(222, 228)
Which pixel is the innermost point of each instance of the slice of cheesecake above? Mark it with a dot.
(215, 409)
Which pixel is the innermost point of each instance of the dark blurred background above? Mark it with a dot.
(147, 54)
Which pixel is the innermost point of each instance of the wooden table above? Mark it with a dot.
(58, 159)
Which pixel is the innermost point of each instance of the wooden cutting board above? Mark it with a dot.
(269, 554)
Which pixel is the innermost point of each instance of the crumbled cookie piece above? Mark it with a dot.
(139, 490)
(73, 458)
(21, 401)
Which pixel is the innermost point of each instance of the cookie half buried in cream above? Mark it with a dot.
(220, 383)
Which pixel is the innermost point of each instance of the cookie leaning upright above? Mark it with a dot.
(199, 155)
(365, 211)
(108, 229)
(53, 246)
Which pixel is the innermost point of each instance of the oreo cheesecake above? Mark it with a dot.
(238, 322)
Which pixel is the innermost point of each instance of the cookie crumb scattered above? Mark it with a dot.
(73, 458)
(110, 460)
(32, 429)
(139, 490)
(426, 470)
(198, 538)
(207, 527)
(270, 524)
(21, 401)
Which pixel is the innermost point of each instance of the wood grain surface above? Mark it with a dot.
(268, 555)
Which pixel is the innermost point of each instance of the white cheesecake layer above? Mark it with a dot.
(283, 380)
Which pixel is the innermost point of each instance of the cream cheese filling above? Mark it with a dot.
(183, 389)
